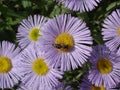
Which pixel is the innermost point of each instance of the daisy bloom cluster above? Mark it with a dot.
(49, 47)
(63, 45)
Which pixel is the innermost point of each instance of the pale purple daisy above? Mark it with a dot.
(67, 41)
(80, 5)
(105, 67)
(29, 30)
(111, 30)
(62, 86)
(37, 73)
(87, 85)
(9, 75)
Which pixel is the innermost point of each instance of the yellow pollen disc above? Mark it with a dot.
(40, 67)
(98, 88)
(34, 34)
(5, 65)
(104, 66)
(119, 31)
(64, 42)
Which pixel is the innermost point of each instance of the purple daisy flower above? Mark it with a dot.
(37, 73)
(62, 86)
(111, 30)
(80, 5)
(29, 30)
(67, 41)
(87, 85)
(105, 68)
(9, 75)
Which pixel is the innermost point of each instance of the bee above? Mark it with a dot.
(60, 46)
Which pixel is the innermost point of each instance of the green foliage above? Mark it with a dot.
(13, 11)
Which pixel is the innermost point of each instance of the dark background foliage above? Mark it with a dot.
(13, 11)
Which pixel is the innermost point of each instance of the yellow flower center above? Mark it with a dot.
(118, 31)
(98, 88)
(34, 34)
(5, 64)
(104, 66)
(40, 67)
(64, 42)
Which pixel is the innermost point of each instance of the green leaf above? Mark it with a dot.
(113, 5)
(26, 4)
